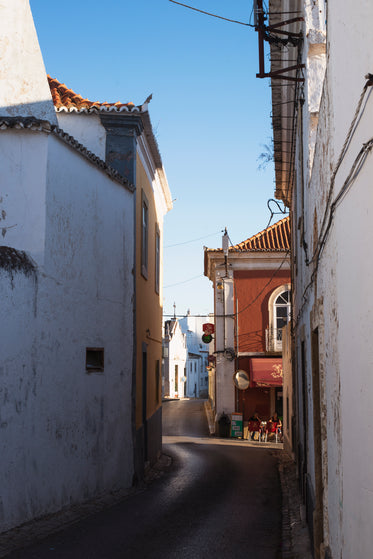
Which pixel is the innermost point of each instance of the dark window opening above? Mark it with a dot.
(94, 359)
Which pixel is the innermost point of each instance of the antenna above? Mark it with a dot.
(255, 10)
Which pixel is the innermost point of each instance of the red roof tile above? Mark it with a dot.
(275, 237)
(66, 99)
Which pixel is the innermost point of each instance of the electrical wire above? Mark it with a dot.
(184, 281)
(210, 14)
(347, 142)
(265, 286)
(352, 175)
(234, 315)
(282, 211)
(192, 240)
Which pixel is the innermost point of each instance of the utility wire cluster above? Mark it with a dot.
(330, 208)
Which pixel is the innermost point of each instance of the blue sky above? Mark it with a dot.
(210, 114)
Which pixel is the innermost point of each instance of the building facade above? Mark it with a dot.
(252, 304)
(67, 293)
(322, 110)
(123, 135)
(174, 364)
(73, 172)
(197, 358)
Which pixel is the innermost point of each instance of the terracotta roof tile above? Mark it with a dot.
(275, 237)
(66, 99)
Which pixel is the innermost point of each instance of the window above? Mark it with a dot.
(94, 359)
(279, 308)
(281, 313)
(144, 235)
(157, 258)
(176, 378)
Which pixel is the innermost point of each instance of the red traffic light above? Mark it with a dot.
(208, 328)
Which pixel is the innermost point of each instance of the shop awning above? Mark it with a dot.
(265, 371)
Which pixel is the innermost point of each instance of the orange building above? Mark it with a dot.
(153, 200)
(252, 304)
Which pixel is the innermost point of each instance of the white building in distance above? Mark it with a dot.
(196, 372)
(174, 360)
(185, 357)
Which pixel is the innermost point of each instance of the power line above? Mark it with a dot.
(265, 286)
(185, 281)
(210, 14)
(193, 240)
(350, 134)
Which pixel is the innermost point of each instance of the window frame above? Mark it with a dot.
(157, 255)
(273, 343)
(144, 235)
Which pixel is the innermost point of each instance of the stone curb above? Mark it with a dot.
(296, 542)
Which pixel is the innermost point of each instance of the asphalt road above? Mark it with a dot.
(219, 499)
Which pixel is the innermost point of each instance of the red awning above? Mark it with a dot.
(266, 371)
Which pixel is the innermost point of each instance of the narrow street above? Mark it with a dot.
(220, 498)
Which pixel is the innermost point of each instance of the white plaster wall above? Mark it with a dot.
(87, 129)
(341, 296)
(192, 327)
(24, 89)
(193, 369)
(23, 190)
(177, 356)
(68, 434)
(225, 393)
(350, 39)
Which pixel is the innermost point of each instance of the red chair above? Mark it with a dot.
(273, 428)
(254, 426)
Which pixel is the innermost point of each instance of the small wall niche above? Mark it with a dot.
(94, 359)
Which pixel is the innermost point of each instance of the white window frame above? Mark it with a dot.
(273, 343)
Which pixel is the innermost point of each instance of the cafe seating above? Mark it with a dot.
(272, 428)
(254, 427)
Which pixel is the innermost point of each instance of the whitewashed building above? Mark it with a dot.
(197, 359)
(174, 360)
(66, 291)
(322, 114)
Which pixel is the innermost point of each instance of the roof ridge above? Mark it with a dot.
(272, 231)
(65, 98)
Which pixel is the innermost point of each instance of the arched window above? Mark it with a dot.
(281, 313)
(279, 307)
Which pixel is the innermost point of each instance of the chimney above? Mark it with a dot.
(24, 89)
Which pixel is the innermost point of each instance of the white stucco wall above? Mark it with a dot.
(225, 391)
(86, 129)
(24, 89)
(339, 302)
(349, 38)
(177, 356)
(23, 190)
(66, 434)
(197, 374)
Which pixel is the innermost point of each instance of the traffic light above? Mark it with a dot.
(208, 330)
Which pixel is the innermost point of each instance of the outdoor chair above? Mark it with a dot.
(254, 427)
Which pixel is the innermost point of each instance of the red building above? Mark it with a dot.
(252, 304)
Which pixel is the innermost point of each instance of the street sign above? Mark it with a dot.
(236, 425)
